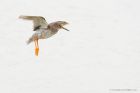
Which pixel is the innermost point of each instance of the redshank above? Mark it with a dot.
(42, 29)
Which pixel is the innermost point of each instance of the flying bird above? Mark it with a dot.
(42, 29)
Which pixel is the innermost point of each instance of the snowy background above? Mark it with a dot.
(101, 52)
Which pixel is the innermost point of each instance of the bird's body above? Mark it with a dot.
(41, 34)
(42, 29)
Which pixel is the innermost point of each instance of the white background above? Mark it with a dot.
(101, 51)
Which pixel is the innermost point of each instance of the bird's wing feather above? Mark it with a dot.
(38, 21)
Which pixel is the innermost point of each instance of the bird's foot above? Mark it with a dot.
(36, 51)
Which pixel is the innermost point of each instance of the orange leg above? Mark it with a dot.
(36, 47)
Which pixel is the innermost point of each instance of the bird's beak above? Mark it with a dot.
(64, 23)
(65, 29)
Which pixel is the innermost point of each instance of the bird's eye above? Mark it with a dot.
(60, 26)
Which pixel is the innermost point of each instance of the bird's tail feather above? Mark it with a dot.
(29, 40)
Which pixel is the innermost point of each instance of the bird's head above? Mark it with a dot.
(59, 25)
(62, 24)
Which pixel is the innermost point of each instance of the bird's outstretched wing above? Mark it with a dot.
(38, 21)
